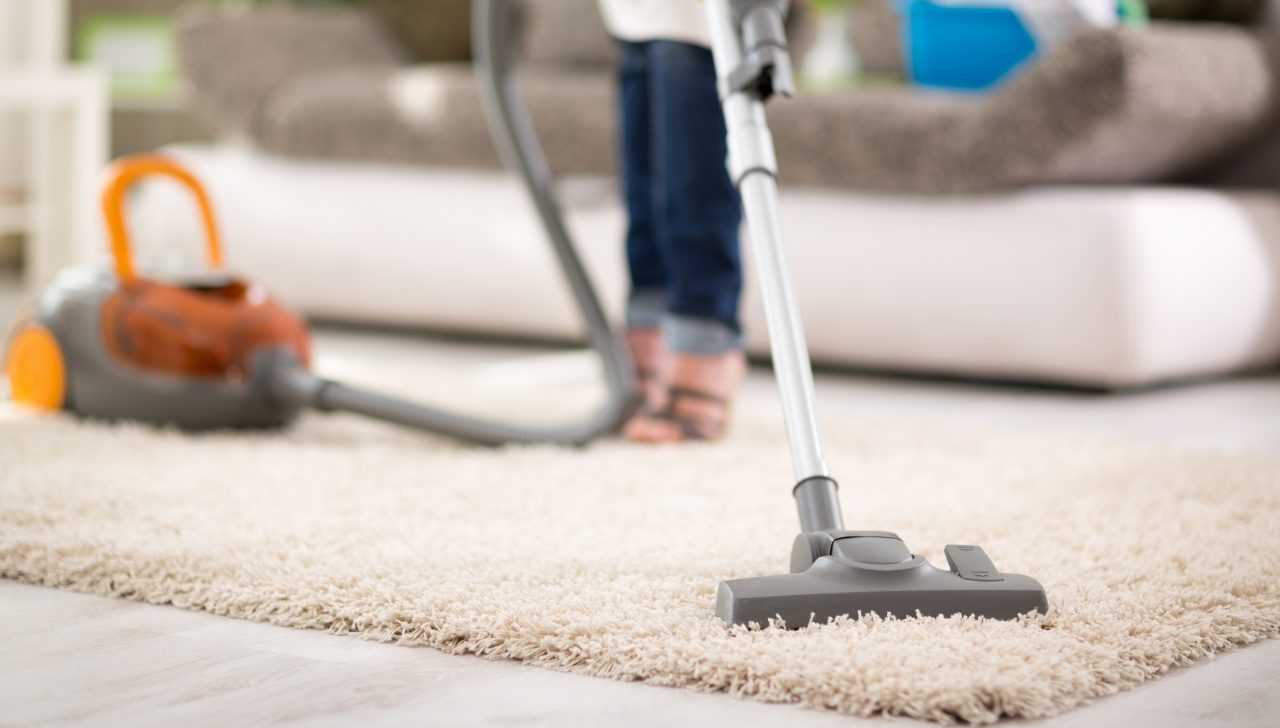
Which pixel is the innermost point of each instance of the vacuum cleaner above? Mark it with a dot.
(834, 572)
(220, 352)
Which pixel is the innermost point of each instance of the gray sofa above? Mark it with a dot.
(368, 191)
(1109, 107)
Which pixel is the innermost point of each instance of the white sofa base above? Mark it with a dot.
(1105, 287)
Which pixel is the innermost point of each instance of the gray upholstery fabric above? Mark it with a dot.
(565, 33)
(899, 140)
(235, 62)
(431, 114)
(1111, 107)
(1107, 107)
(1255, 164)
(349, 115)
(1191, 94)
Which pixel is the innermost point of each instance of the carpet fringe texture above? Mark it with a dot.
(605, 560)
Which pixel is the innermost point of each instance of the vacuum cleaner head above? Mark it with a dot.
(863, 572)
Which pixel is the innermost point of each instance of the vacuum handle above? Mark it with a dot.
(749, 46)
(120, 176)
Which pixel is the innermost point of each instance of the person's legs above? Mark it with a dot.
(647, 300)
(696, 204)
(697, 214)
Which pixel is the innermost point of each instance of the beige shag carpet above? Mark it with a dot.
(605, 561)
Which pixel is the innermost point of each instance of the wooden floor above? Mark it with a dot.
(71, 659)
(68, 659)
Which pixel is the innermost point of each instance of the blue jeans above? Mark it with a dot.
(682, 236)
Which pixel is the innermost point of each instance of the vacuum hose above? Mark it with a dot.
(288, 384)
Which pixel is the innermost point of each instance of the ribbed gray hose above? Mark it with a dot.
(517, 142)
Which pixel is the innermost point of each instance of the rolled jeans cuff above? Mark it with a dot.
(646, 308)
(702, 336)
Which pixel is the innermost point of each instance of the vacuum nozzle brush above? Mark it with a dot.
(863, 572)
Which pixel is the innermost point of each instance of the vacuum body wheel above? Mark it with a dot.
(36, 369)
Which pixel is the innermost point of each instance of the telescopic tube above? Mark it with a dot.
(753, 166)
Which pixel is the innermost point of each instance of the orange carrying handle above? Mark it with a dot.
(120, 176)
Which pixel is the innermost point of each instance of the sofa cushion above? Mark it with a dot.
(1108, 106)
(235, 62)
(431, 114)
(1255, 164)
(1191, 95)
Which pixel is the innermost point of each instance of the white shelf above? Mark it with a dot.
(68, 148)
(14, 219)
(41, 88)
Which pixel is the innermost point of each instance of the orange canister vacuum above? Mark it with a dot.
(217, 352)
(116, 344)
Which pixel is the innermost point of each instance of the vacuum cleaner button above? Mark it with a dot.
(972, 563)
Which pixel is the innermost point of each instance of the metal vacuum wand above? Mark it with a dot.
(752, 61)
